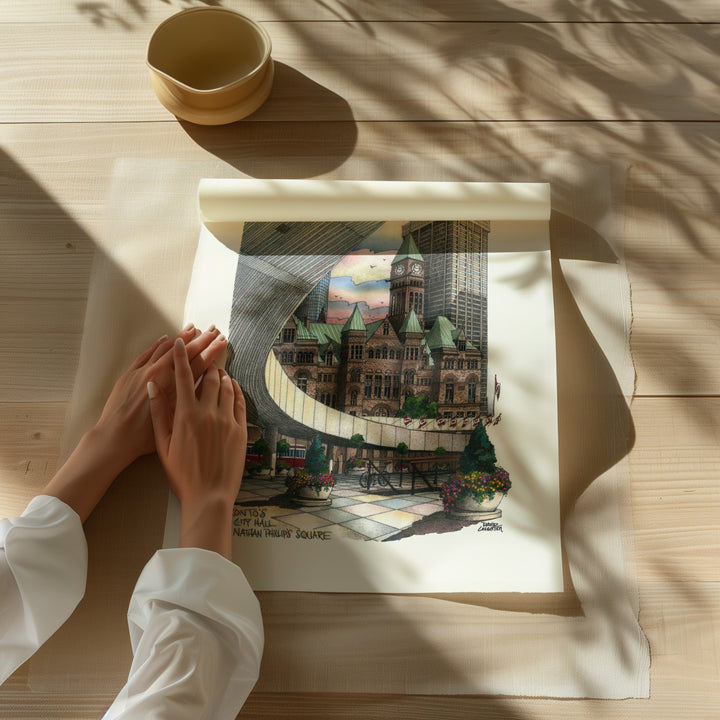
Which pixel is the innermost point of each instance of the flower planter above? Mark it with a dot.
(308, 496)
(468, 508)
(312, 493)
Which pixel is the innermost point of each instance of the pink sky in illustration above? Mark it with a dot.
(361, 277)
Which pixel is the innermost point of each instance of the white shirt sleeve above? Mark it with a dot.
(197, 639)
(43, 568)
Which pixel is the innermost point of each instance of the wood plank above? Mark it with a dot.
(681, 620)
(676, 505)
(389, 71)
(29, 444)
(673, 463)
(129, 14)
(666, 195)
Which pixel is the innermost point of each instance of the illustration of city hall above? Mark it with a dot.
(433, 339)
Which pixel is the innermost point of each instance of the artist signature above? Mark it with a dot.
(490, 527)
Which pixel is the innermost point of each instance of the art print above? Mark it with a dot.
(400, 380)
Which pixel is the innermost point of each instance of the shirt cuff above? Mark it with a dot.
(43, 570)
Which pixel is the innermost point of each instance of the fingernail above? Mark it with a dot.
(211, 328)
(162, 338)
(152, 390)
(188, 327)
(179, 343)
(222, 339)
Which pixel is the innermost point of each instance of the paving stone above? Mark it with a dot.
(397, 518)
(335, 515)
(369, 528)
(303, 520)
(365, 509)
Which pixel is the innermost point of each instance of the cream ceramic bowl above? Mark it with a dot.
(210, 66)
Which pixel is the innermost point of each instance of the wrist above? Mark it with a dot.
(111, 445)
(206, 522)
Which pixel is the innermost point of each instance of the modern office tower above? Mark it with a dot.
(315, 306)
(455, 253)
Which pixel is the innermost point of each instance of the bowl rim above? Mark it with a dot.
(211, 10)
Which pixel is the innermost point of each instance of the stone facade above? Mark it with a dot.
(371, 368)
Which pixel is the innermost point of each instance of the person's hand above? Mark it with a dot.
(201, 444)
(125, 418)
(124, 431)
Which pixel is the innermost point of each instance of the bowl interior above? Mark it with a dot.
(208, 49)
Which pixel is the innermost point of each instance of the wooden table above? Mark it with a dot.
(438, 90)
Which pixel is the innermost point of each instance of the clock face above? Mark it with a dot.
(417, 269)
(399, 270)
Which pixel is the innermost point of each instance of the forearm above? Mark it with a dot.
(206, 523)
(87, 474)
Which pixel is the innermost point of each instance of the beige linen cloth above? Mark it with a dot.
(584, 642)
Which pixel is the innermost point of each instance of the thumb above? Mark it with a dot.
(160, 415)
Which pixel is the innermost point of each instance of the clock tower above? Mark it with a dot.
(407, 283)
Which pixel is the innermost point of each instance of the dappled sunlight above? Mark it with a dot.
(613, 102)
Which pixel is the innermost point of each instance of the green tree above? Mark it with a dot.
(357, 441)
(315, 461)
(402, 449)
(282, 447)
(479, 453)
(440, 451)
(259, 447)
(417, 406)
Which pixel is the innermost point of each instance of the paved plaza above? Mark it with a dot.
(375, 514)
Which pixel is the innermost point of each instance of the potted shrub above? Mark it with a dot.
(282, 468)
(313, 482)
(440, 451)
(480, 484)
(356, 465)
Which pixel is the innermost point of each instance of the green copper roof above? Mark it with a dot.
(303, 333)
(326, 332)
(411, 323)
(355, 321)
(441, 334)
(408, 249)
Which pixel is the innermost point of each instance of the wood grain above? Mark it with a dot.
(129, 15)
(390, 71)
(667, 199)
(471, 91)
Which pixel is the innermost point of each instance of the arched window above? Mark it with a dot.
(472, 388)
(329, 357)
(391, 355)
(386, 329)
(384, 352)
(354, 398)
(449, 392)
(371, 354)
